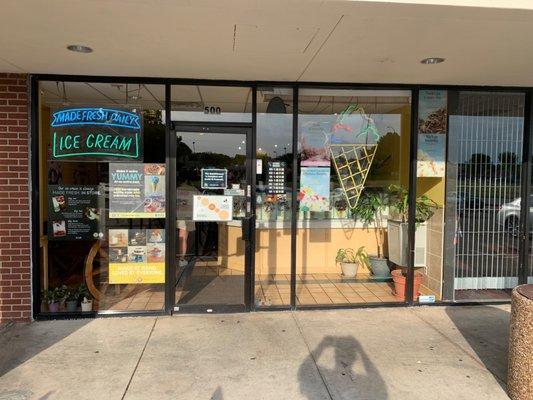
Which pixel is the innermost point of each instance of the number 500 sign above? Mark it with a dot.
(212, 110)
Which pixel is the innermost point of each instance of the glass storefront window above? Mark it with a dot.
(353, 153)
(102, 196)
(273, 197)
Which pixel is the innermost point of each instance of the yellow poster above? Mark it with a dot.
(136, 273)
(136, 256)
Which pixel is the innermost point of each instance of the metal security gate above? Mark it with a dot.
(484, 186)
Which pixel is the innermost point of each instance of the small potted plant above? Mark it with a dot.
(270, 206)
(369, 210)
(85, 297)
(54, 296)
(350, 260)
(340, 207)
(71, 300)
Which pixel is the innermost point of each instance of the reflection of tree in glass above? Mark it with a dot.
(479, 165)
(153, 137)
(508, 165)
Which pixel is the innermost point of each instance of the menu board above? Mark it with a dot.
(74, 212)
(212, 208)
(136, 190)
(432, 128)
(276, 177)
(136, 256)
(214, 178)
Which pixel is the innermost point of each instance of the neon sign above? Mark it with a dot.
(97, 133)
(96, 116)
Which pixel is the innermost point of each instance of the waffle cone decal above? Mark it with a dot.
(352, 161)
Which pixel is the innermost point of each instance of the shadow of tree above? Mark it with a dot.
(350, 373)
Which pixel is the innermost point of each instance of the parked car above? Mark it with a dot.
(509, 216)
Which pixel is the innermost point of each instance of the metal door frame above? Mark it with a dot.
(218, 128)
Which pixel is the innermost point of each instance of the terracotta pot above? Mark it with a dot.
(400, 282)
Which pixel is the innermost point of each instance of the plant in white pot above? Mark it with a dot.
(85, 297)
(397, 227)
(369, 210)
(350, 260)
(398, 236)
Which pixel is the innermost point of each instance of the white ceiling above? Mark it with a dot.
(485, 42)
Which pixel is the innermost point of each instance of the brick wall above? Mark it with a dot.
(15, 268)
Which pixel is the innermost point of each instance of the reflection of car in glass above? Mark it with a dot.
(469, 203)
(509, 216)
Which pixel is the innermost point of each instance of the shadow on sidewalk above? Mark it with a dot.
(352, 374)
(21, 342)
(486, 329)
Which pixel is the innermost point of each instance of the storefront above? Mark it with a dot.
(169, 196)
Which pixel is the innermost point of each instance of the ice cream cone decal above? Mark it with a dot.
(352, 163)
(155, 181)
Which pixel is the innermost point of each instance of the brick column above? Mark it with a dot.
(15, 266)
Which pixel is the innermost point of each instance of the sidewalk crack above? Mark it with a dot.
(139, 360)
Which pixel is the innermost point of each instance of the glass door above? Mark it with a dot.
(214, 220)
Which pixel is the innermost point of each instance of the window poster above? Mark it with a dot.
(212, 208)
(75, 212)
(314, 189)
(432, 128)
(314, 146)
(136, 190)
(136, 256)
(213, 178)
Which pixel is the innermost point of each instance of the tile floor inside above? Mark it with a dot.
(208, 284)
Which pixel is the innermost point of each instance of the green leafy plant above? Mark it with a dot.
(71, 295)
(369, 210)
(53, 295)
(83, 292)
(348, 255)
(399, 201)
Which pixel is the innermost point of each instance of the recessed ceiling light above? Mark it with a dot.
(432, 60)
(78, 48)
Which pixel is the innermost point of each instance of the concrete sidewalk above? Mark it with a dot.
(385, 353)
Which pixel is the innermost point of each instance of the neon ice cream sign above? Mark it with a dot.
(80, 133)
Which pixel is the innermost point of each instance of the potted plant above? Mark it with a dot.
(397, 227)
(270, 206)
(369, 210)
(54, 296)
(350, 260)
(398, 236)
(85, 297)
(71, 300)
